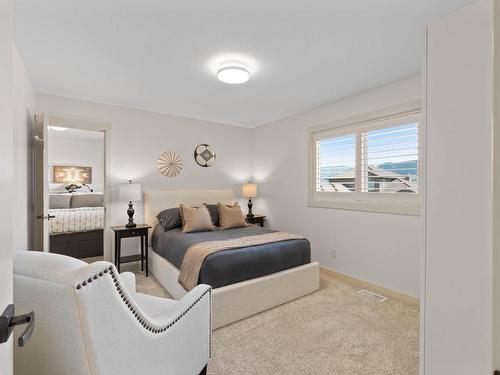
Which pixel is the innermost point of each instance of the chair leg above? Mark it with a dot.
(204, 371)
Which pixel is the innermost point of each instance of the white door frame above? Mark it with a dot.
(100, 126)
(40, 184)
(423, 210)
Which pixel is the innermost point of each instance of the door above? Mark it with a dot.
(40, 188)
(6, 174)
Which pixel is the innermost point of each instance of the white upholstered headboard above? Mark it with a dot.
(159, 200)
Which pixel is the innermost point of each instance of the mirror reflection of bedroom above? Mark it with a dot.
(76, 188)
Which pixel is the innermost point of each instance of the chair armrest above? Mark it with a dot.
(128, 280)
(182, 306)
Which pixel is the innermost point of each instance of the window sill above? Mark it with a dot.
(396, 208)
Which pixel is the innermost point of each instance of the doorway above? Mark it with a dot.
(70, 190)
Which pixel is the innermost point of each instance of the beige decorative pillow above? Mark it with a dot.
(196, 219)
(231, 217)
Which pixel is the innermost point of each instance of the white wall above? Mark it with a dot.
(379, 248)
(23, 117)
(6, 175)
(459, 219)
(496, 192)
(138, 138)
(77, 150)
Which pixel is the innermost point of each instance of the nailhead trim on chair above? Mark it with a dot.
(210, 325)
(141, 319)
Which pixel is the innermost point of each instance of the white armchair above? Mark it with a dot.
(89, 320)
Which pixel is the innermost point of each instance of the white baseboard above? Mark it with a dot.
(370, 286)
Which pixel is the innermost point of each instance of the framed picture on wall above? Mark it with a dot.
(64, 174)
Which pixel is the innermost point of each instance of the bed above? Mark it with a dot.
(76, 228)
(245, 281)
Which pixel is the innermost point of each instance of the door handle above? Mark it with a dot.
(8, 321)
(48, 217)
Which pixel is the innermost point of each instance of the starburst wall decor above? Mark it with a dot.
(169, 164)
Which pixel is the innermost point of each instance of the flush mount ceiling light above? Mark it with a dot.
(233, 74)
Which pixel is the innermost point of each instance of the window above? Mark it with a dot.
(336, 164)
(390, 159)
(370, 164)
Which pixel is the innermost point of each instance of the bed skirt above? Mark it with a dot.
(78, 245)
(241, 300)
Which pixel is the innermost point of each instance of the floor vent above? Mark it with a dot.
(373, 296)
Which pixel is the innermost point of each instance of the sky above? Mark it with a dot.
(389, 145)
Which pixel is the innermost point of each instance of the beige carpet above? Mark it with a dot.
(333, 331)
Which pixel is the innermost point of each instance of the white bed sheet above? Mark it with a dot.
(71, 220)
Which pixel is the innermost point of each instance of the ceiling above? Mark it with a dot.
(161, 55)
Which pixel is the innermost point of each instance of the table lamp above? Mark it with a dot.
(132, 193)
(249, 191)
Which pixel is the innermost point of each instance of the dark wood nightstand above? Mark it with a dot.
(256, 219)
(121, 231)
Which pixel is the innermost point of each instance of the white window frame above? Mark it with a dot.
(402, 203)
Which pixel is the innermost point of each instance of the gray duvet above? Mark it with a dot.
(234, 265)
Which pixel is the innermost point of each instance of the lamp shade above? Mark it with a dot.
(130, 192)
(249, 190)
